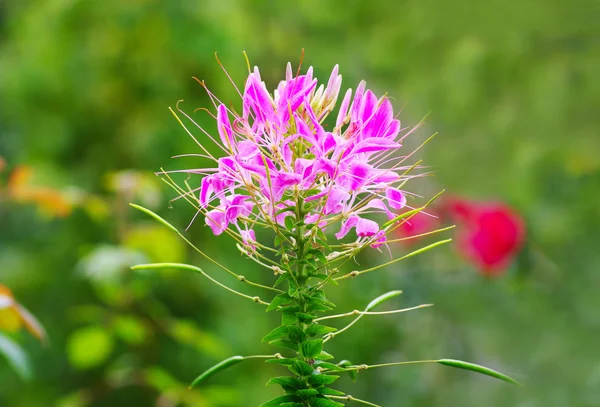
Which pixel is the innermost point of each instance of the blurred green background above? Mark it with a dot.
(513, 90)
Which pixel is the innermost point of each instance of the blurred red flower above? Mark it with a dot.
(490, 234)
(418, 224)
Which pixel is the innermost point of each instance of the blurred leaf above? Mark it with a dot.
(158, 243)
(130, 329)
(106, 263)
(89, 347)
(188, 332)
(16, 357)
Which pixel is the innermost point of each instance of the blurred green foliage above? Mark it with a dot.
(513, 90)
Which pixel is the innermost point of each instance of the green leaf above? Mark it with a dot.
(311, 348)
(382, 298)
(324, 356)
(155, 216)
(278, 333)
(321, 379)
(352, 373)
(325, 403)
(477, 368)
(289, 208)
(330, 392)
(234, 360)
(292, 287)
(277, 402)
(318, 304)
(16, 357)
(287, 381)
(307, 393)
(282, 343)
(279, 300)
(291, 404)
(281, 279)
(319, 330)
(289, 223)
(296, 334)
(301, 368)
(305, 318)
(289, 314)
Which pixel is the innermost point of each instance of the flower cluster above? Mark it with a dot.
(278, 152)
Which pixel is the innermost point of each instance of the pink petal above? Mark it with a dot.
(344, 108)
(359, 173)
(216, 220)
(374, 144)
(248, 238)
(366, 227)
(336, 202)
(206, 191)
(224, 127)
(395, 197)
(379, 240)
(346, 226)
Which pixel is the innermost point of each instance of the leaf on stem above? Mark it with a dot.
(234, 360)
(477, 368)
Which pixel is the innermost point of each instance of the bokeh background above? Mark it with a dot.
(512, 88)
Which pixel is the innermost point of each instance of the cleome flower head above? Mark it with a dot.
(282, 157)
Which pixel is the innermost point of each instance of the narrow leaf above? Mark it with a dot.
(234, 360)
(383, 298)
(155, 216)
(477, 368)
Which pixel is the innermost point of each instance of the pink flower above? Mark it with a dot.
(490, 233)
(277, 153)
